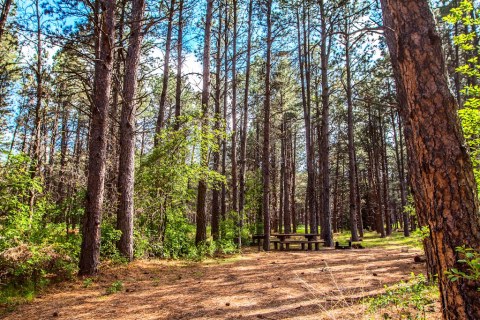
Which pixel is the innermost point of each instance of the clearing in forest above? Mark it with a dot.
(328, 284)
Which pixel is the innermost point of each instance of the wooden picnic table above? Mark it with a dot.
(284, 239)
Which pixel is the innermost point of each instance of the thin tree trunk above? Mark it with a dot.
(243, 137)
(36, 150)
(163, 95)
(310, 195)
(218, 115)
(234, 114)
(266, 133)
(201, 232)
(401, 175)
(351, 142)
(178, 84)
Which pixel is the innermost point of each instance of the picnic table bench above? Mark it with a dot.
(284, 240)
(350, 245)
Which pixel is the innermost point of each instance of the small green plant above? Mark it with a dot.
(405, 300)
(471, 259)
(115, 287)
(87, 282)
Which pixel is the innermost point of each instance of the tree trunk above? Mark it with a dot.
(266, 134)
(325, 141)
(90, 250)
(234, 113)
(178, 84)
(243, 138)
(310, 196)
(351, 143)
(36, 150)
(163, 96)
(218, 115)
(441, 170)
(401, 174)
(127, 133)
(201, 232)
(4, 16)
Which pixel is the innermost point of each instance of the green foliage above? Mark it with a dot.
(165, 190)
(466, 15)
(110, 237)
(33, 249)
(115, 287)
(405, 300)
(422, 233)
(87, 282)
(471, 260)
(410, 207)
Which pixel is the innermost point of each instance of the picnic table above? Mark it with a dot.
(285, 239)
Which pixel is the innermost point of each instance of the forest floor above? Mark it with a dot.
(328, 284)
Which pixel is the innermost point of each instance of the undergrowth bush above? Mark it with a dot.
(34, 251)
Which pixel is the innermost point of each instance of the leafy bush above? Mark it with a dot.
(33, 250)
(165, 194)
(110, 236)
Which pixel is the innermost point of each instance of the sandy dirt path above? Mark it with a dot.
(257, 285)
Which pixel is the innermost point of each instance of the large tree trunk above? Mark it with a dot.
(127, 134)
(325, 141)
(201, 232)
(266, 134)
(90, 251)
(441, 170)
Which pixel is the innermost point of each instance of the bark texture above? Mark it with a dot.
(201, 232)
(90, 251)
(127, 134)
(440, 168)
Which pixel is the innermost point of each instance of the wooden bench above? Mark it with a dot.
(350, 245)
(288, 242)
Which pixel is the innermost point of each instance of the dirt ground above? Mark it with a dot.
(257, 285)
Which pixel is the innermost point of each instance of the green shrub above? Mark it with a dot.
(34, 250)
(115, 287)
(110, 237)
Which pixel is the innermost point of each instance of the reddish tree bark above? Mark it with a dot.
(126, 169)
(90, 250)
(440, 167)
